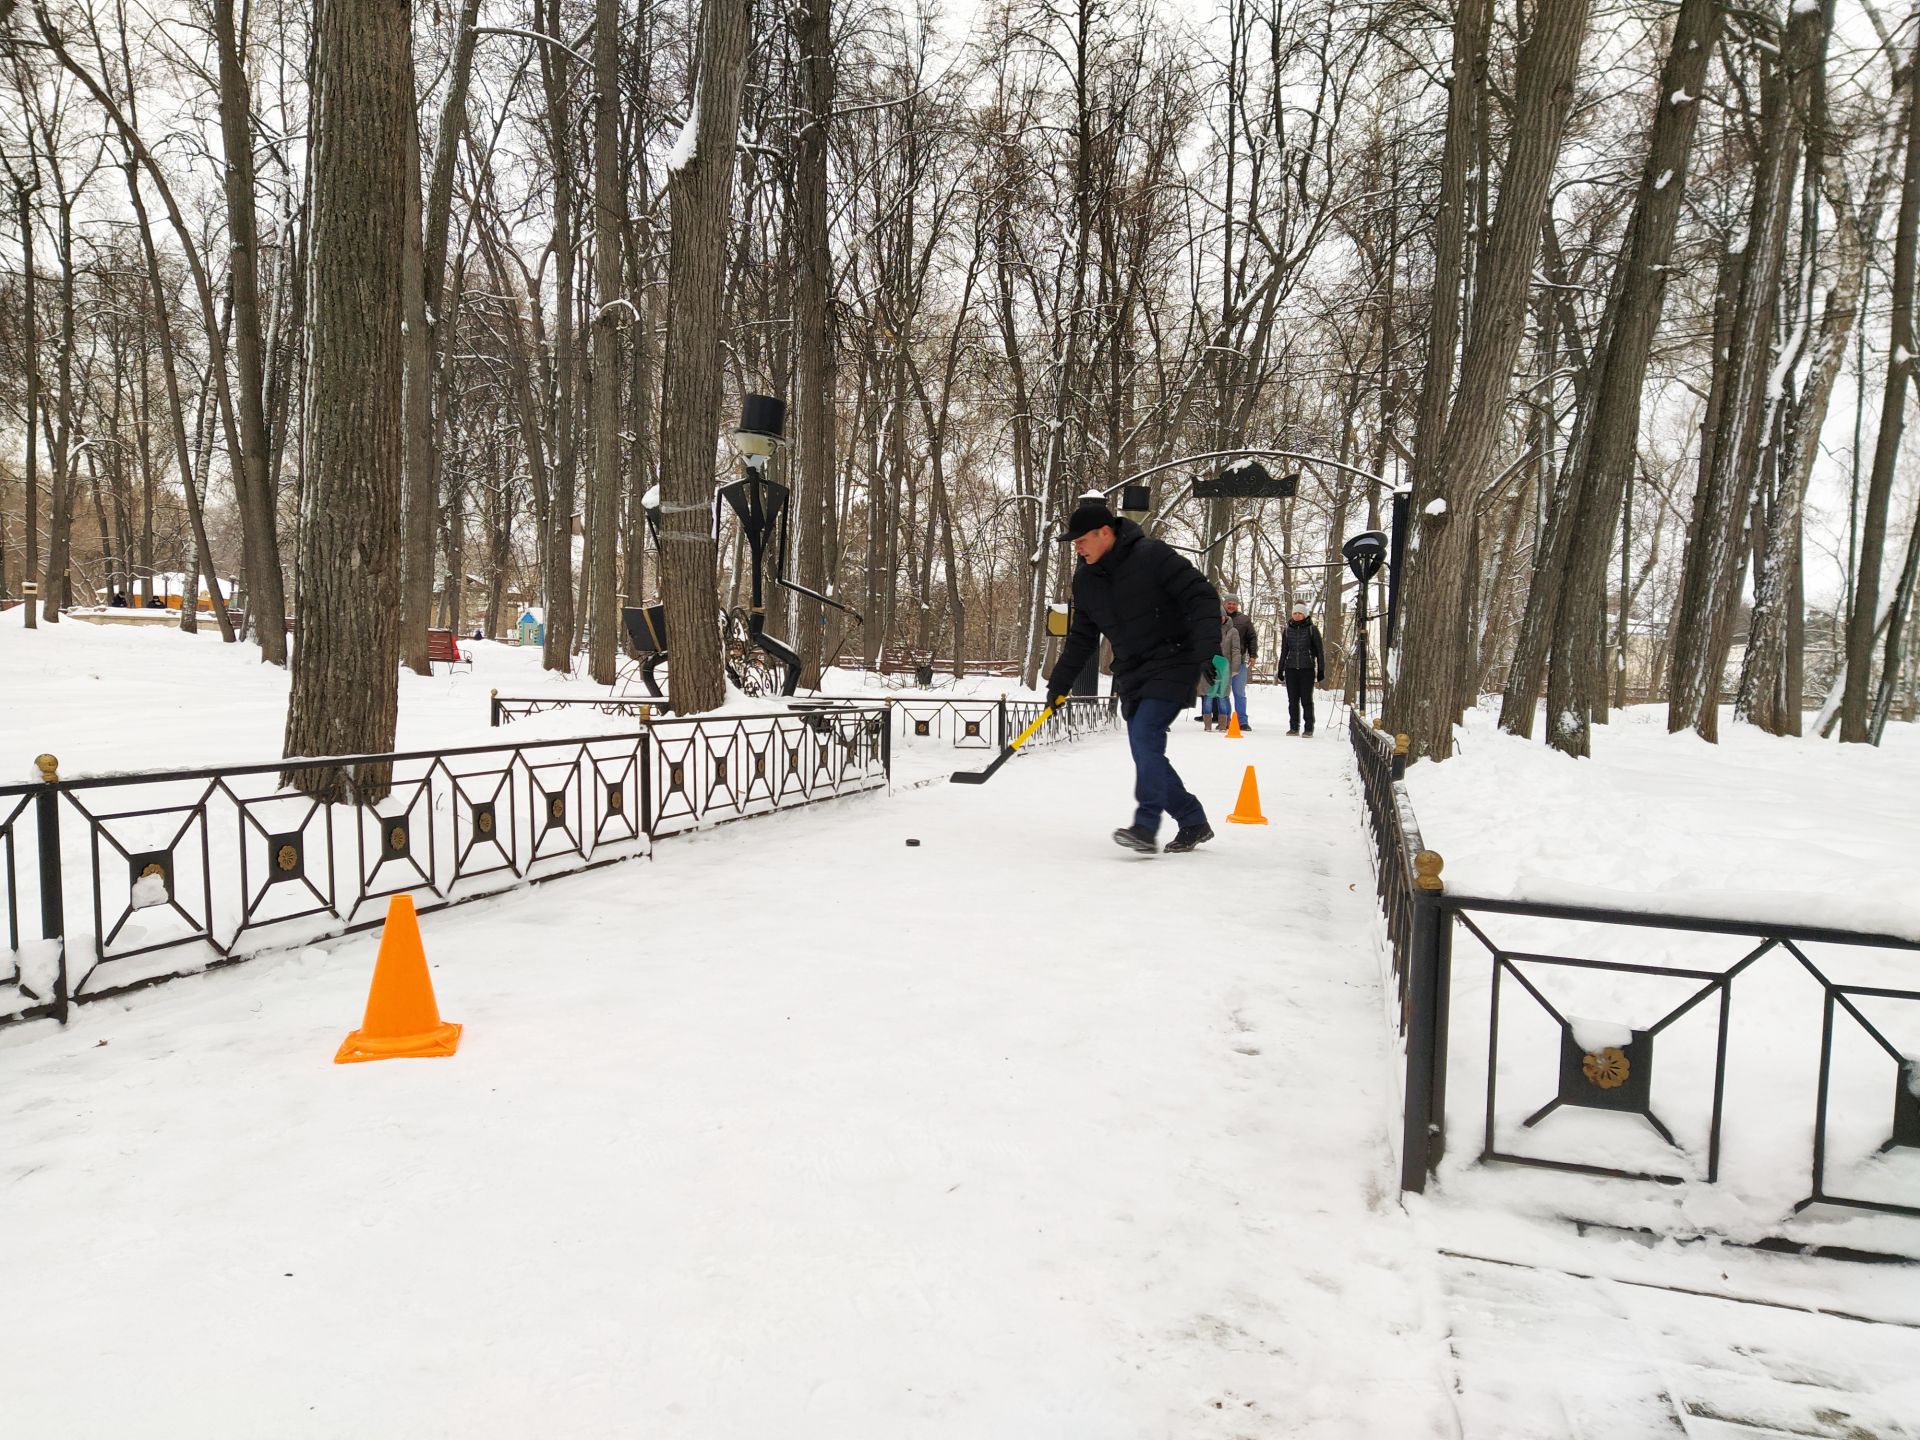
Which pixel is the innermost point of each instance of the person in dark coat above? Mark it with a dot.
(1162, 619)
(1302, 662)
(1249, 653)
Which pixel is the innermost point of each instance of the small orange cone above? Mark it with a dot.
(1246, 810)
(1233, 725)
(402, 1018)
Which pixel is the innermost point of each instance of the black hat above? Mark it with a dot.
(1087, 517)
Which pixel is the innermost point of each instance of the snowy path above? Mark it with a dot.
(793, 1131)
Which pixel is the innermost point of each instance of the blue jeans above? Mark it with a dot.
(1239, 683)
(1157, 789)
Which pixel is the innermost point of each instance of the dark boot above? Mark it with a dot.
(1137, 837)
(1190, 837)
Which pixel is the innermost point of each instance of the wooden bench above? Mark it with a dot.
(441, 650)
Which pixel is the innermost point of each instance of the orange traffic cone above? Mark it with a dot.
(1233, 726)
(1246, 810)
(402, 1018)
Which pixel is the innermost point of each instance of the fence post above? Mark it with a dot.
(1401, 744)
(1000, 711)
(646, 772)
(53, 905)
(493, 708)
(1426, 1040)
(886, 740)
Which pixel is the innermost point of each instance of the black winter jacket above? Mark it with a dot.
(1158, 612)
(1249, 640)
(1300, 648)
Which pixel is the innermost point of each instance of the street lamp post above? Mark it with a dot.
(1364, 555)
(760, 504)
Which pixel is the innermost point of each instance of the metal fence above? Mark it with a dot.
(1826, 1051)
(117, 882)
(965, 723)
(505, 709)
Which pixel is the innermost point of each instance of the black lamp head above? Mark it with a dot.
(1365, 553)
(763, 424)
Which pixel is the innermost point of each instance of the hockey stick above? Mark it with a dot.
(980, 777)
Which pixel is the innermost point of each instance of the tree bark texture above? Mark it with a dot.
(1770, 691)
(815, 371)
(1466, 113)
(1703, 630)
(1606, 439)
(30, 324)
(176, 411)
(1425, 699)
(1857, 705)
(421, 467)
(699, 194)
(556, 71)
(610, 321)
(345, 663)
(254, 485)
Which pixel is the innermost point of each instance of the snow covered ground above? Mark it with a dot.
(1755, 827)
(795, 1130)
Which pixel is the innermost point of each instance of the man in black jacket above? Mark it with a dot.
(1163, 620)
(1302, 662)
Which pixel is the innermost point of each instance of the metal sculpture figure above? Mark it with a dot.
(761, 507)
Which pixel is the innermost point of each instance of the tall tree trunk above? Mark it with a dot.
(345, 671)
(611, 317)
(815, 378)
(1899, 636)
(30, 344)
(425, 272)
(556, 72)
(253, 485)
(1435, 596)
(1770, 686)
(177, 416)
(1703, 631)
(59, 435)
(1856, 708)
(1607, 435)
(700, 192)
(420, 467)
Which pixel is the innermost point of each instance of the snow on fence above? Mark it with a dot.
(116, 882)
(1808, 1095)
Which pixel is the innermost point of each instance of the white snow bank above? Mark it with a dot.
(1756, 827)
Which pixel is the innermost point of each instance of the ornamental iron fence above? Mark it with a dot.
(114, 883)
(964, 723)
(1576, 1034)
(117, 882)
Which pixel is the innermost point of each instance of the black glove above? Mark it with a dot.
(1055, 698)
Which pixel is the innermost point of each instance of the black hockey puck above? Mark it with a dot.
(913, 842)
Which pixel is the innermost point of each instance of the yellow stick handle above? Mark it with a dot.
(1027, 734)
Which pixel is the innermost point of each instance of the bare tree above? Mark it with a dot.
(699, 193)
(1703, 626)
(253, 485)
(345, 672)
(611, 317)
(1426, 697)
(1856, 708)
(1606, 434)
